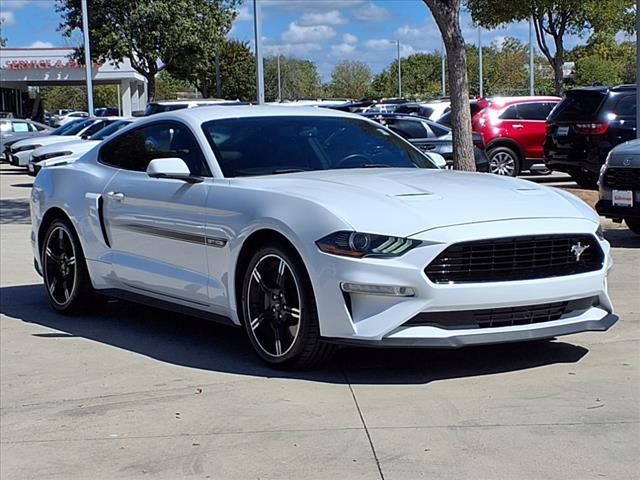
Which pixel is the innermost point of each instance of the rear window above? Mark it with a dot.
(578, 105)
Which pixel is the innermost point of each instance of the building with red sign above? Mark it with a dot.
(21, 68)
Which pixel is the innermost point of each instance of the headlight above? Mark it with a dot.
(600, 233)
(26, 147)
(47, 156)
(358, 245)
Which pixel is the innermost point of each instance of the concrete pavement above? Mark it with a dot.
(133, 392)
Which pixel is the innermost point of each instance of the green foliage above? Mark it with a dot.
(236, 65)
(420, 77)
(55, 98)
(298, 79)
(350, 79)
(167, 86)
(604, 60)
(556, 19)
(151, 33)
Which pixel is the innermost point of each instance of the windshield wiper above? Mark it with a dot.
(372, 165)
(289, 170)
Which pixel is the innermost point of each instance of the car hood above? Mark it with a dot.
(44, 140)
(409, 201)
(75, 146)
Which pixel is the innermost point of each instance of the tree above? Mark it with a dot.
(555, 19)
(447, 16)
(232, 59)
(298, 78)
(350, 79)
(167, 86)
(603, 60)
(420, 77)
(151, 33)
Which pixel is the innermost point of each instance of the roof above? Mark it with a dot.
(524, 98)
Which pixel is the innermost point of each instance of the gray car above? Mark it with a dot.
(619, 185)
(14, 129)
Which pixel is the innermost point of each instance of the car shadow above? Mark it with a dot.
(23, 185)
(15, 210)
(196, 343)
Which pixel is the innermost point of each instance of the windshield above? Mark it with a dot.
(287, 144)
(67, 126)
(77, 127)
(106, 131)
(154, 108)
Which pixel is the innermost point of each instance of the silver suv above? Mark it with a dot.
(619, 185)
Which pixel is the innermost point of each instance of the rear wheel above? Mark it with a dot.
(633, 224)
(64, 270)
(504, 161)
(279, 310)
(585, 179)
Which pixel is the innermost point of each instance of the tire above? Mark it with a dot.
(586, 180)
(504, 161)
(64, 270)
(633, 224)
(279, 310)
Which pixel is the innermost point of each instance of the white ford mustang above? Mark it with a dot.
(312, 228)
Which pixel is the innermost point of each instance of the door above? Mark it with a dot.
(532, 127)
(155, 226)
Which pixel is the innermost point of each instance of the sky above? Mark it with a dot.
(324, 31)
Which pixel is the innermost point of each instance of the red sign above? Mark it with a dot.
(45, 64)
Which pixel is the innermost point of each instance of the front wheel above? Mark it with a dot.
(504, 161)
(279, 310)
(633, 224)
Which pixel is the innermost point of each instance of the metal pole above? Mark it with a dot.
(532, 88)
(400, 71)
(87, 56)
(279, 84)
(119, 99)
(637, 70)
(444, 68)
(218, 83)
(480, 76)
(257, 26)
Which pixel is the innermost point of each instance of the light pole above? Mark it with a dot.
(443, 68)
(257, 26)
(279, 83)
(87, 57)
(400, 70)
(532, 89)
(480, 76)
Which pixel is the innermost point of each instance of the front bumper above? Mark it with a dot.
(607, 209)
(594, 320)
(378, 320)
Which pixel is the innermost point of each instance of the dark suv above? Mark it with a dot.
(585, 126)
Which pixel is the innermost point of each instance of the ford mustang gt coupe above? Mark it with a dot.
(311, 228)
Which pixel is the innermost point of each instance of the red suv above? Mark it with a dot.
(514, 131)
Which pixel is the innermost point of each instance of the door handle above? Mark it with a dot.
(518, 125)
(116, 196)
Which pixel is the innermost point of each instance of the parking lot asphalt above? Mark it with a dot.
(133, 392)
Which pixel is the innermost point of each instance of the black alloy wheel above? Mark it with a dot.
(279, 310)
(64, 270)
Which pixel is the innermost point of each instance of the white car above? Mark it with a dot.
(60, 120)
(20, 152)
(311, 228)
(67, 152)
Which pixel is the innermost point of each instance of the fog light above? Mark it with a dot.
(368, 289)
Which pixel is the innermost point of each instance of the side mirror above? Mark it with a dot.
(171, 168)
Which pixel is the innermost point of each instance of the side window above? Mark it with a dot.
(626, 106)
(94, 128)
(409, 129)
(137, 148)
(510, 113)
(20, 127)
(533, 111)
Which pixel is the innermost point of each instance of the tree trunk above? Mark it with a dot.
(151, 87)
(558, 72)
(447, 16)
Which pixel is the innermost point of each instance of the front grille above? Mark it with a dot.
(504, 317)
(622, 178)
(516, 258)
